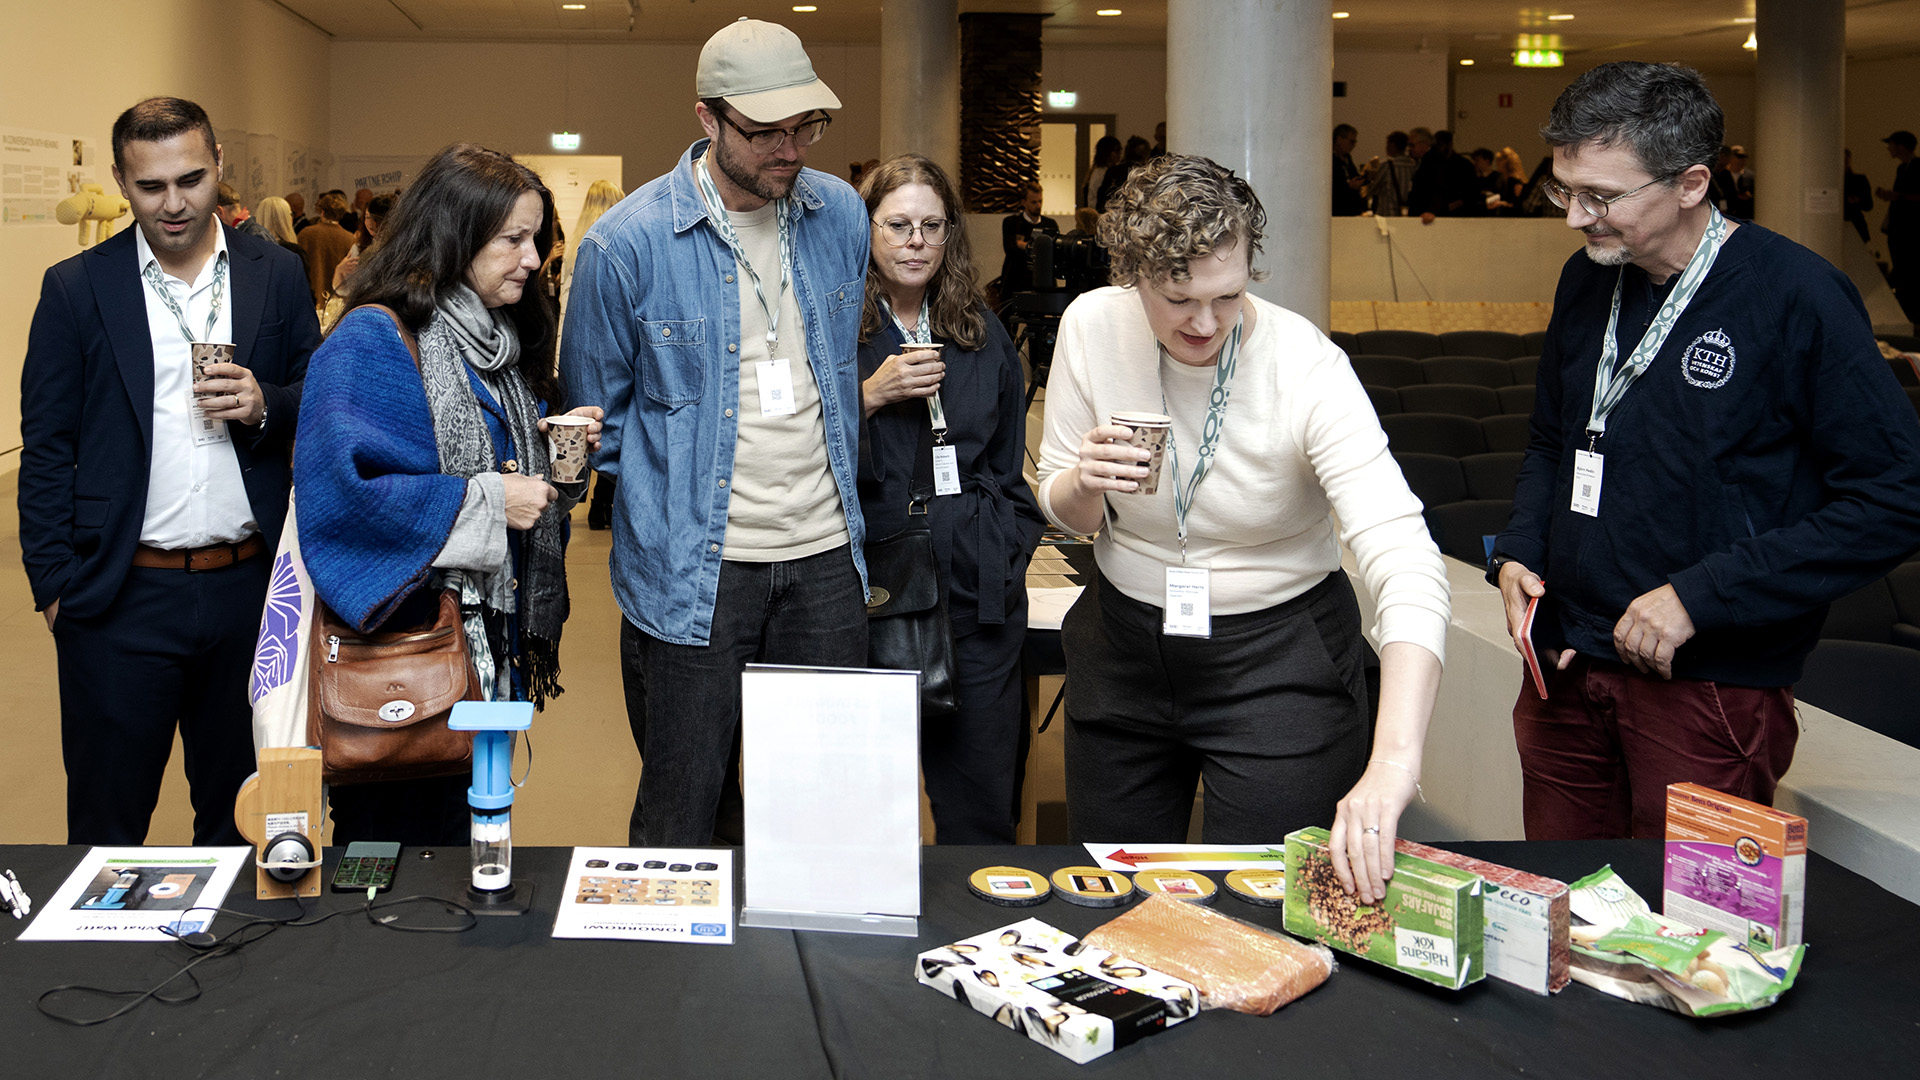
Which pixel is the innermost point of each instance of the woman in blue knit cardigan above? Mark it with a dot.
(422, 459)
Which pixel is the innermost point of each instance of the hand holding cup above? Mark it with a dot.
(916, 371)
(1110, 462)
(570, 438)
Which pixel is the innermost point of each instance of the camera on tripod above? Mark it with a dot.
(1063, 268)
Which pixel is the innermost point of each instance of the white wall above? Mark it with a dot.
(249, 63)
(1129, 83)
(632, 101)
(1480, 120)
(1389, 91)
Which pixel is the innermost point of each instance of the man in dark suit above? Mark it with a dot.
(151, 504)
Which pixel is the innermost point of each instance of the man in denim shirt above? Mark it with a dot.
(714, 316)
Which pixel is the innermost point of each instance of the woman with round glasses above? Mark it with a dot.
(1220, 639)
(963, 396)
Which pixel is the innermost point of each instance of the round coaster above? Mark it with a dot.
(1090, 886)
(1264, 888)
(1189, 885)
(1009, 886)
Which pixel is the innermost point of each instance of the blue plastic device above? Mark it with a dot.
(493, 724)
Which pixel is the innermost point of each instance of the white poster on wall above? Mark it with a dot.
(381, 174)
(263, 169)
(296, 176)
(37, 170)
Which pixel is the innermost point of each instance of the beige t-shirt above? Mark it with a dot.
(785, 504)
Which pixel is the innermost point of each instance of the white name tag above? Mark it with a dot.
(946, 471)
(1586, 482)
(776, 387)
(206, 431)
(1189, 602)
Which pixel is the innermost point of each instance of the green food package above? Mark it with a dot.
(1431, 924)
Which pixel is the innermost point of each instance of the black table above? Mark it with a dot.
(346, 999)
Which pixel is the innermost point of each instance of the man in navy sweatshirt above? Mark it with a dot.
(1744, 459)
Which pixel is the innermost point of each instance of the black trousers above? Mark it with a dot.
(971, 760)
(1271, 711)
(683, 701)
(175, 649)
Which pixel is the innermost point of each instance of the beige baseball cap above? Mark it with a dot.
(761, 69)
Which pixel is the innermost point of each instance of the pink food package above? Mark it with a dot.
(1735, 866)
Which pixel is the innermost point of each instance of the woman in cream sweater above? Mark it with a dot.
(1220, 639)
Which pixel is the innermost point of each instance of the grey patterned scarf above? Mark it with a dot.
(465, 333)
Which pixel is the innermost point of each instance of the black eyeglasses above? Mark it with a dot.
(768, 140)
(898, 232)
(1562, 196)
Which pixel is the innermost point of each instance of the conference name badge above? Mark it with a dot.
(1586, 482)
(1189, 603)
(946, 471)
(776, 387)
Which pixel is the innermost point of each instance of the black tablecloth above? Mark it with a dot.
(346, 999)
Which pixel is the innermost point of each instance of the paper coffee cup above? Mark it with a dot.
(567, 445)
(206, 353)
(1150, 430)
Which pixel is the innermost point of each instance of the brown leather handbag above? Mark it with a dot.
(378, 702)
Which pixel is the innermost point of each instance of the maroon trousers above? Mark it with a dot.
(1597, 755)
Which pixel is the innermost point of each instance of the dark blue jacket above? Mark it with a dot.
(983, 536)
(1766, 464)
(86, 410)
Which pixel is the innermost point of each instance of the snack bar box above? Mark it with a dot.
(1431, 925)
(1079, 1001)
(1735, 866)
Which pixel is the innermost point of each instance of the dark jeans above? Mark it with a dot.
(683, 701)
(1271, 712)
(971, 760)
(1597, 755)
(175, 648)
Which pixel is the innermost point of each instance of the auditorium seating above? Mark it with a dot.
(1472, 370)
(1457, 398)
(1385, 399)
(1462, 528)
(1507, 431)
(1347, 342)
(1495, 343)
(1491, 475)
(1379, 369)
(1434, 433)
(1524, 368)
(1415, 343)
(1516, 399)
(1535, 341)
(1871, 684)
(1434, 479)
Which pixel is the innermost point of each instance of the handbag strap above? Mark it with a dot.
(406, 335)
(921, 491)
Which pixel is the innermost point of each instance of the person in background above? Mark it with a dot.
(1717, 453)
(420, 477)
(1903, 223)
(372, 217)
(602, 196)
(1016, 241)
(1159, 140)
(149, 518)
(1856, 196)
(1488, 184)
(1390, 183)
(1106, 155)
(716, 312)
(1444, 185)
(324, 244)
(1512, 173)
(1739, 184)
(1086, 224)
(1219, 638)
(276, 217)
(1349, 187)
(297, 204)
(921, 288)
(235, 216)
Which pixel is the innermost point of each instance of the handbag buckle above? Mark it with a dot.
(917, 508)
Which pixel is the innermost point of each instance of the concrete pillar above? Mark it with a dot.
(920, 80)
(1250, 85)
(1800, 106)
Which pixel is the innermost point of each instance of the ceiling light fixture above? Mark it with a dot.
(1343, 14)
(573, 7)
(1559, 18)
(1466, 63)
(1109, 12)
(806, 7)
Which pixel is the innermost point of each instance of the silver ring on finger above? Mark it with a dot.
(1371, 830)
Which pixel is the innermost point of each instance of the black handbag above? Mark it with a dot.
(907, 624)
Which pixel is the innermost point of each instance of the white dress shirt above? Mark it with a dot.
(195, 496)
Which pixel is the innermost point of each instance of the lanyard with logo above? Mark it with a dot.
(946, 461)
(158, 279)
(775, 374)
(206, 431)
(1188, 611)
(1612, 380)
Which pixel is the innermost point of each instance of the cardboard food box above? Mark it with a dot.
(1527, 920)
(1079, 1001)
(1735, 866)
(1431, 925)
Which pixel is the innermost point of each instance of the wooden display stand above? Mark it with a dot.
(285, 790)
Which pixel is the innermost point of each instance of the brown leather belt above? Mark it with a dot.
(211, 557)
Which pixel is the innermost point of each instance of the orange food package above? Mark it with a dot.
(1236, 965)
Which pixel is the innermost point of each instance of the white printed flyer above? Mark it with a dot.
(648, 894)
(139, 894)
(1131, 857)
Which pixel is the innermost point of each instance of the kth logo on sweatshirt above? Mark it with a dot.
(1708, 362)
